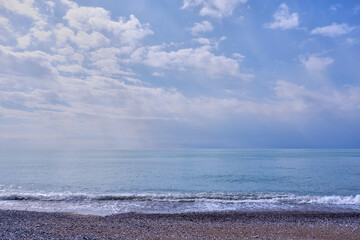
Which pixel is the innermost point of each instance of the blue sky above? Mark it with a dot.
(179, 74)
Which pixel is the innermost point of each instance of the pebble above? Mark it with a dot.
(16, 225)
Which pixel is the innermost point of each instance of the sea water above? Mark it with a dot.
(177, 181)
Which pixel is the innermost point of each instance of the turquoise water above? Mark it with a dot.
(105, 182)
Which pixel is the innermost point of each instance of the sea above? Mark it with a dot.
(180, 181)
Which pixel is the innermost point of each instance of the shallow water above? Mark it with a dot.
(106, 182)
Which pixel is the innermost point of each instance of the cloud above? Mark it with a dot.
(333, 30)
(40, 35)
(213, 42)
(203, 41)
(25, 8)
(239, 56)
(301, 99)
(88, 41)
(99, 20)
(6, 30)
(283, 19)
(158, 74)
(50, 4)
(39, 30)
(72, 68)
(196, 59)
(5, 23)
(214, 8)
(30, 101)
(26, 72)
(352, 41)
(69, 3)
(80, 80)
(83, 18)
(63, 35)
(335, 7)
(24, 41)
(202, 27)
(107, 60)
(315, 63)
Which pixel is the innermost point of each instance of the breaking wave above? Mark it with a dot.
(185, 197)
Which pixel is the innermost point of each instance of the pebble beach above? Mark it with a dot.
(220, 225)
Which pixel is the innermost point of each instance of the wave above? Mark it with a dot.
(107, 204)
(337, 200)
(234, 198)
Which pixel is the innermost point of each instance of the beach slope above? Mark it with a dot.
(252, 225)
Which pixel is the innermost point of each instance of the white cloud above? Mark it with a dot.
(40, 34)
(333, 30)
(99, 20)
(283, 19)
(298, 98)
(50, 4)
(204, 41)
(32, 100)
(5, 23)
(24, 41)
(25, 8)
(214, 43)
(107, 60)
(293, 93)
(190, 58)
(69, 3)
(22, 70)
(214, 8)
(158, 74)
(88, 41)
(335, 7)
(239, 56)
(78, 57)
(63, 35)
(82, 18)
(201, 27)
(72, 68)
(85, 33)
(6, 30)
(315, 63)
(65, 51)
(73, 79)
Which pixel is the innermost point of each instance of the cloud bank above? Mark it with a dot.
(84, 77)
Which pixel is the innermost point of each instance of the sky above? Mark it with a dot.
(108, 74)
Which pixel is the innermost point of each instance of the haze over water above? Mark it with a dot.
(106, 182)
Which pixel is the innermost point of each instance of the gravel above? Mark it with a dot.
(224, 225)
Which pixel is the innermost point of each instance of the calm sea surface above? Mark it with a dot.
(107, 182)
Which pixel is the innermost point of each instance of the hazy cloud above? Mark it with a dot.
(335, 7)
(189, 58)
(316, 63)
(201, 27)
(283, 19)
(214, 8)
(158, 74)
(24, 8)
(78, 75)
(333, 30)
(99, 20)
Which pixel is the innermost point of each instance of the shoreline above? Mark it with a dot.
(209, 225)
